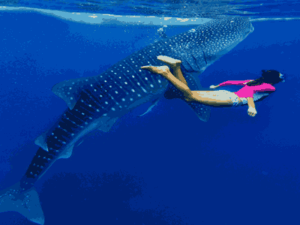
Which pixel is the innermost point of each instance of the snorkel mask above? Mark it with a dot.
(281, 76)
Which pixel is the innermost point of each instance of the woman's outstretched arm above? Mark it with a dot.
(251, 110)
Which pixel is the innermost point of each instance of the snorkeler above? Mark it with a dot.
(221, 97)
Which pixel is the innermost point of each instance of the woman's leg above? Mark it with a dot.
(212, 98)
(166, 73)
(174, 65)
(216, 98)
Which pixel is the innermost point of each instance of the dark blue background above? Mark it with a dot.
(166, 167)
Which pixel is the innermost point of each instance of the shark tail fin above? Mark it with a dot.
(26, 203)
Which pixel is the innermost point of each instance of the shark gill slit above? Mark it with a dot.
(204, 56)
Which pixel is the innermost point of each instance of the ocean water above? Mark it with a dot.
(166, 167)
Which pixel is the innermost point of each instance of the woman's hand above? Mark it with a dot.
(213, 86)
(252, 111)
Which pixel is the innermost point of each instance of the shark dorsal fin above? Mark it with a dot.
(41, 141)
(70, 90)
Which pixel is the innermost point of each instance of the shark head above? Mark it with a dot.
(218, 39)
(208, 42)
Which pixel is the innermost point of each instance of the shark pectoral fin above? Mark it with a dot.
(66, 153)
(202, 111)
(192, 81)
(70, 90)
(153, 103)
(41, 141)
(106, 126)
(172, 92)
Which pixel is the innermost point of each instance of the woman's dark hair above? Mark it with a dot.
(269, 76)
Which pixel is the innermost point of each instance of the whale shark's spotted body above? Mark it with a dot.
(97, 102)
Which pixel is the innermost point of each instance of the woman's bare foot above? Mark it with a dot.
(162, 70)
(173, 63)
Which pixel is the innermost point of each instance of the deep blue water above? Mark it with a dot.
(166, 167)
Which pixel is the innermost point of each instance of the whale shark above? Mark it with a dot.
(96, 103)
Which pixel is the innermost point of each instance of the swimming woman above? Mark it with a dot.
(221, 97)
